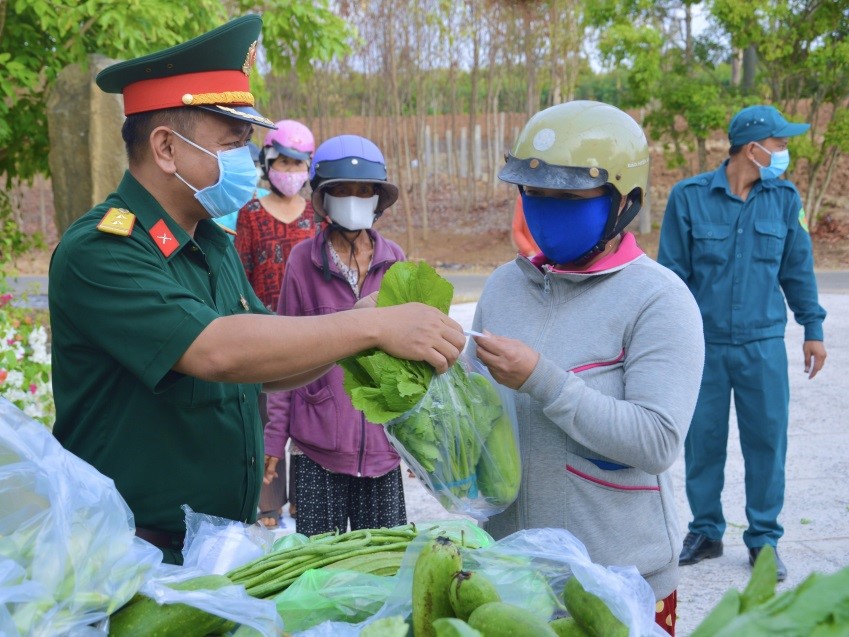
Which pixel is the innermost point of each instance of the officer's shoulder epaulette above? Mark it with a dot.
(118, 221)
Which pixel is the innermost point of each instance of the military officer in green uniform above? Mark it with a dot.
(160, 346)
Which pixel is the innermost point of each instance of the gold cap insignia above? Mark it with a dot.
(118, 221)
(250, 58)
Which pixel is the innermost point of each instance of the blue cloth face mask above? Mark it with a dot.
(778, 163)
(236, 180)
(566, 229)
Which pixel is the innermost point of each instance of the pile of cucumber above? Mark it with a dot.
(451, 602)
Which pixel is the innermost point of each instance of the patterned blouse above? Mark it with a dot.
(264, 244)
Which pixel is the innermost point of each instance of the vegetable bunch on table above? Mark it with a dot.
(452, 429)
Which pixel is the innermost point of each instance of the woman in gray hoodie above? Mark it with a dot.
(603, 347)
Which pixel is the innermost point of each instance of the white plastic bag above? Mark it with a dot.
(68, 553)
(217, 545)
(461, 441)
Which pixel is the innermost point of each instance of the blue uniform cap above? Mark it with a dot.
(755, 123)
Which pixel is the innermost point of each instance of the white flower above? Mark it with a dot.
(38, 342)
(15, 379)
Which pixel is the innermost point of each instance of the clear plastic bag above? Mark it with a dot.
(217, 545)
(325, 594)
(461, 441)
(529, 569)
(68, 553)
(400, 600)
(254, 616)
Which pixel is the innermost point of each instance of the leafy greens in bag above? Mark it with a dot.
(457, 430)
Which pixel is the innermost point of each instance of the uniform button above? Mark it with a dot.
(209, 273)
(195, 248)
(253, 460)
(244, 397)
(739, 230)
(739, 255)
(710, 234)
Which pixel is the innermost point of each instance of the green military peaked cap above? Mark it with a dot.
(211, 71)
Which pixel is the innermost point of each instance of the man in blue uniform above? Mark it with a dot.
(738, 238)
(160, 347)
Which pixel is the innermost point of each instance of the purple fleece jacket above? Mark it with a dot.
(319, 417)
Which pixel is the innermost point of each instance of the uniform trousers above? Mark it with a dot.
(756, 374)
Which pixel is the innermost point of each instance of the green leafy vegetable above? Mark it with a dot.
(384, 387)
(443, 424)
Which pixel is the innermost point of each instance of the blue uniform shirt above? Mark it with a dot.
(737, 257)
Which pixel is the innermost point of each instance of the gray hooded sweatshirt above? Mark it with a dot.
(604, 414)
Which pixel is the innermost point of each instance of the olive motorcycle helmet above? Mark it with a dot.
(582, 145)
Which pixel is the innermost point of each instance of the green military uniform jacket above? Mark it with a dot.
(123, 310)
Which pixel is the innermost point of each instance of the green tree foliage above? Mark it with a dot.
(803, 49)
(666, 70)
(38, 38)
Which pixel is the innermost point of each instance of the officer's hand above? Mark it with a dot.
(418, 332)
(270, 469)
(814, 357)
(509, 361)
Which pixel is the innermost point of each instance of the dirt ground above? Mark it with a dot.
(478, 239)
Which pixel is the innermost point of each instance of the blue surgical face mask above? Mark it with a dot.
(778, 163)
(566, 229)
(236, 180)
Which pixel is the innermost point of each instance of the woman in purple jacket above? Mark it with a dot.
(348, 471)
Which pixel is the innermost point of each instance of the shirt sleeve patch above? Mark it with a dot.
(803, 220)
(118, 221)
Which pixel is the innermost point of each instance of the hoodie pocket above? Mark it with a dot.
(315, 417)
(619, 515)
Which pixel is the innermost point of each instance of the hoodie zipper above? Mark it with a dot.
(362, 445)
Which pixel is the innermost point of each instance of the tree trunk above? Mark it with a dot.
(398, 125)
(701, 147)
(750, 62)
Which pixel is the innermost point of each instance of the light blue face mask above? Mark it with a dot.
(236, 180)
(778, 163)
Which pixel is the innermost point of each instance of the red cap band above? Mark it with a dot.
(168, 92)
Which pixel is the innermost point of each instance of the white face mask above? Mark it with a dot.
(352, 213)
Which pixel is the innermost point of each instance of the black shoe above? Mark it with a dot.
(780, 568)
(698, 547)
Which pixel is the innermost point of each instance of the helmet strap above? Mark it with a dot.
(631, 210)
(616, 223)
